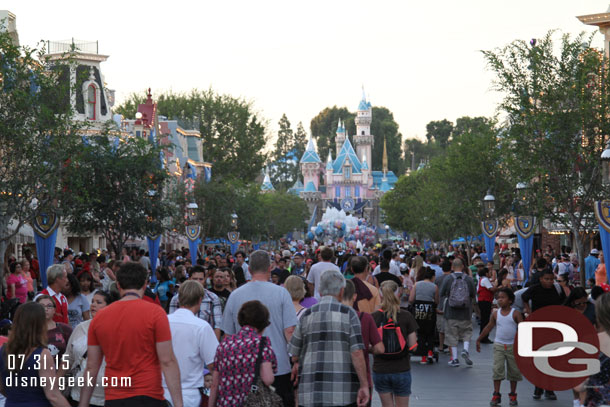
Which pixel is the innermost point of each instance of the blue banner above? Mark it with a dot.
(45, 248)
(490, 243)
(193, 250)
(153, 255)
(256, 246)
(234, 247)
(526, 246)
(605, 238)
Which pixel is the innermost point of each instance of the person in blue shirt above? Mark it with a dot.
(591, 263)
(163, 287)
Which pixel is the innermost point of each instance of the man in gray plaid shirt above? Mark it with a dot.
(210, 310)
(326, 349)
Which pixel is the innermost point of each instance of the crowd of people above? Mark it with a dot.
(314, 326)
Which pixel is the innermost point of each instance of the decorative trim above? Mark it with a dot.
(45, 224)
(233, 236)
(525, 226)
(490, 228)
(602, 213)
(193, 232)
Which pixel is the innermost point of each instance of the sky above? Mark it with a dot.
(420, 59)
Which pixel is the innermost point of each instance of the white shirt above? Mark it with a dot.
(58, 296)
(316, 271)
(394, 269)
(194, 345)
(246, 270)
(438, 271)
(486, 283)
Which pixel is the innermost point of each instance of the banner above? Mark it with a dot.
(193, 247)
(45, 234)
(153, 255)
(234, 247)
(525, 227)
(490, 231)
(602, 213)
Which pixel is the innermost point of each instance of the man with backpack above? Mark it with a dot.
(459, 289)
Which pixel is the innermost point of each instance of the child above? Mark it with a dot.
(506, 319)
(207, 385)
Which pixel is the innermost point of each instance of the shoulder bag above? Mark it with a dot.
(260, 394)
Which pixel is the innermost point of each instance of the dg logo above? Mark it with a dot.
(557, 348)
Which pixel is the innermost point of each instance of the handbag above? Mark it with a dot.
(260, 394)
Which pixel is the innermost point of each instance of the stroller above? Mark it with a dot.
(425, 315)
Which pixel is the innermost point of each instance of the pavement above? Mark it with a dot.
(441, 385)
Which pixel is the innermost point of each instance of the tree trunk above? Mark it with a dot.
(580, 251)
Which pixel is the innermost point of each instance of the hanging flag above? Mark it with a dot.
(490, 231)
(192, 234)
(525, 227)
(153, 254)
(45, 234)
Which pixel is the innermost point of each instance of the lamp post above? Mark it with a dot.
(489, 224)
(525, 226)
(387, 232)
(193, 230)
(233, 235)
(605, 161)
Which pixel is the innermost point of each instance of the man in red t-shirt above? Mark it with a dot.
(57, 278)
(134, 337)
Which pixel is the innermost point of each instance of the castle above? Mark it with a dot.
(346, 182)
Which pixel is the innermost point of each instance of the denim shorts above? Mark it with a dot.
(399, 384)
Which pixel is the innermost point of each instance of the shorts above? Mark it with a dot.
(505, 365)
(399, 384)
(457, 330)
(440, 323)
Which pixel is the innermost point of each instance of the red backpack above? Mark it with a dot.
(392, 338)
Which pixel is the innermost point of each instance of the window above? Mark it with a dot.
(347, 172)
(348, 192)
(91, 102)
(363, 132)
(357, 191)
(337, 192)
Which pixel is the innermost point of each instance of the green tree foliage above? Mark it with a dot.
(443, 200)
(300, 143)
(233, 134)
(556, 103)
(260, 215)
(439, 131)
(37, 136)
(282, 168)
(116, 188)
(324, 128)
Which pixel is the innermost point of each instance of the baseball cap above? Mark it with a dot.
(594, 251)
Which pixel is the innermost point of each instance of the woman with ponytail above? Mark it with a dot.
(397, 328)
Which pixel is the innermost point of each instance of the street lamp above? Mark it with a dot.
(234, 221)
(233, 235)
(605, 159)
(387, 232)
(489, 205)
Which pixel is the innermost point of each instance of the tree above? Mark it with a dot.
(117, 189)
(324, 128)
(37, 136)
(233, 134)
(299, 145)
(556, 103)
(283, 163)
(282, 213)
(443, 200)
(439, 131)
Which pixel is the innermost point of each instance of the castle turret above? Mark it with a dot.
(363, 140)
(341, 134)
(311, 165)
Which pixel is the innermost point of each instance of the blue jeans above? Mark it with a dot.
(399, 384)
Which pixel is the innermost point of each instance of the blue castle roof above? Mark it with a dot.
(378, 179)
(310, 155)
(347, 153)
(267, 185)
(364, 105)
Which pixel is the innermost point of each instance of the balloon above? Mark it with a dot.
(310, 235)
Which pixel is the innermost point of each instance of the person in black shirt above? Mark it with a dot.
(281, 271)
(541, 295)
(541, 266)
(219, 285)
(384, 273)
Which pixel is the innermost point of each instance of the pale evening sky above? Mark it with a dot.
(420, 59)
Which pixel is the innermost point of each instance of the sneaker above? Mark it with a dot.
(549, 395)
(423, 360)
(496, 399)
(537, 394)
(466, 357)
(429, 360)
(454, 363)
(512, 399)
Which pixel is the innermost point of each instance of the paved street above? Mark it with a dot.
(441, 385)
